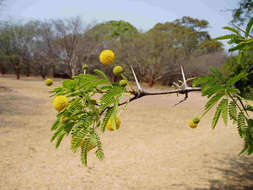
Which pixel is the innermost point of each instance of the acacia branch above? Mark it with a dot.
(143, 93)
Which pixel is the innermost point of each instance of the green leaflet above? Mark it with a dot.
(87, 77)
(248, 28)
(232, 111)
(115, 91)
(241, 124)
(244, 149)
(233, 90)
(201, 80)
(59, 138)
(212, 89)
(235, 79)
(55, 125)
(211, 102)
(106, 118)
(110, 97)
(99, 151)
(249, 108)
(238, 47)
(106, 104)
(225, 37)
(218, 75)
(69, 84)
(57, 133)
(68, 127)
(231, 29)
(84, 151)
(101, 74)
(224, 110)
(77, 139)
(217, 113)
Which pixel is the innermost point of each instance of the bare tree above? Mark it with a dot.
(69, 34)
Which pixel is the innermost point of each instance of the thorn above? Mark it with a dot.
(136, 80)
(175, 84)
(182, 71)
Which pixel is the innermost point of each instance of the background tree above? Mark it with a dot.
(243, 12)
(156, 54)
(69, 35)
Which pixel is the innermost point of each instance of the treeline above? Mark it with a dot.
(60, 47)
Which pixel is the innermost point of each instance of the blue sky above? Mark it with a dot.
(143, 14)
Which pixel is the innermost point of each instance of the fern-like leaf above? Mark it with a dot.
(201, 80)
(61, 128)
(244, 149)
(217, 74)
(248, 28)
(78, 138)
(55, 125)
(211, 102)
(231, 29)
(84, 151)
(106, 118)
(224, 110)
(101, 74)
(241, 124)
(99, 151)
(235, 79)
(59, 139)
(232, 111)
(213, 89)
(225, 37)
(115, 91)
(217, 114)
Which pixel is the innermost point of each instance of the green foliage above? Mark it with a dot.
(232, 111)
(228, 89)
(91, 98)
(112, 30)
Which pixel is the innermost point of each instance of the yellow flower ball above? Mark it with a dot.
(196, 120)
(122, 82)
(49, 82)
(109, 125)
(60, 102)
(192, 124)
(106, 57)
(117, 70)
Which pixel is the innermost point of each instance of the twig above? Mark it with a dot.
(145, 93)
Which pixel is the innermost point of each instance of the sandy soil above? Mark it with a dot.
(153, 150)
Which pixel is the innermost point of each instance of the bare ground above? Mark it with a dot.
(153, 150)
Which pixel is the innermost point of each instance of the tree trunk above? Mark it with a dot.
(53, 69)
(18, 71)
(151, 83)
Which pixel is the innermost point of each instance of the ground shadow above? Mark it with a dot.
(237, 176)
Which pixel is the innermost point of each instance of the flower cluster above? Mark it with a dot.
(48, 82)
(194, 123)
(60, 102)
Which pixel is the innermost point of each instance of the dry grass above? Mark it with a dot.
(154, 148)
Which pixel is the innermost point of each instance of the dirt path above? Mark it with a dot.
(154, 148)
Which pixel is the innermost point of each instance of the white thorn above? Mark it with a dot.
(185, 84)
(136, 80)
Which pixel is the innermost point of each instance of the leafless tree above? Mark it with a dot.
(69, 33)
